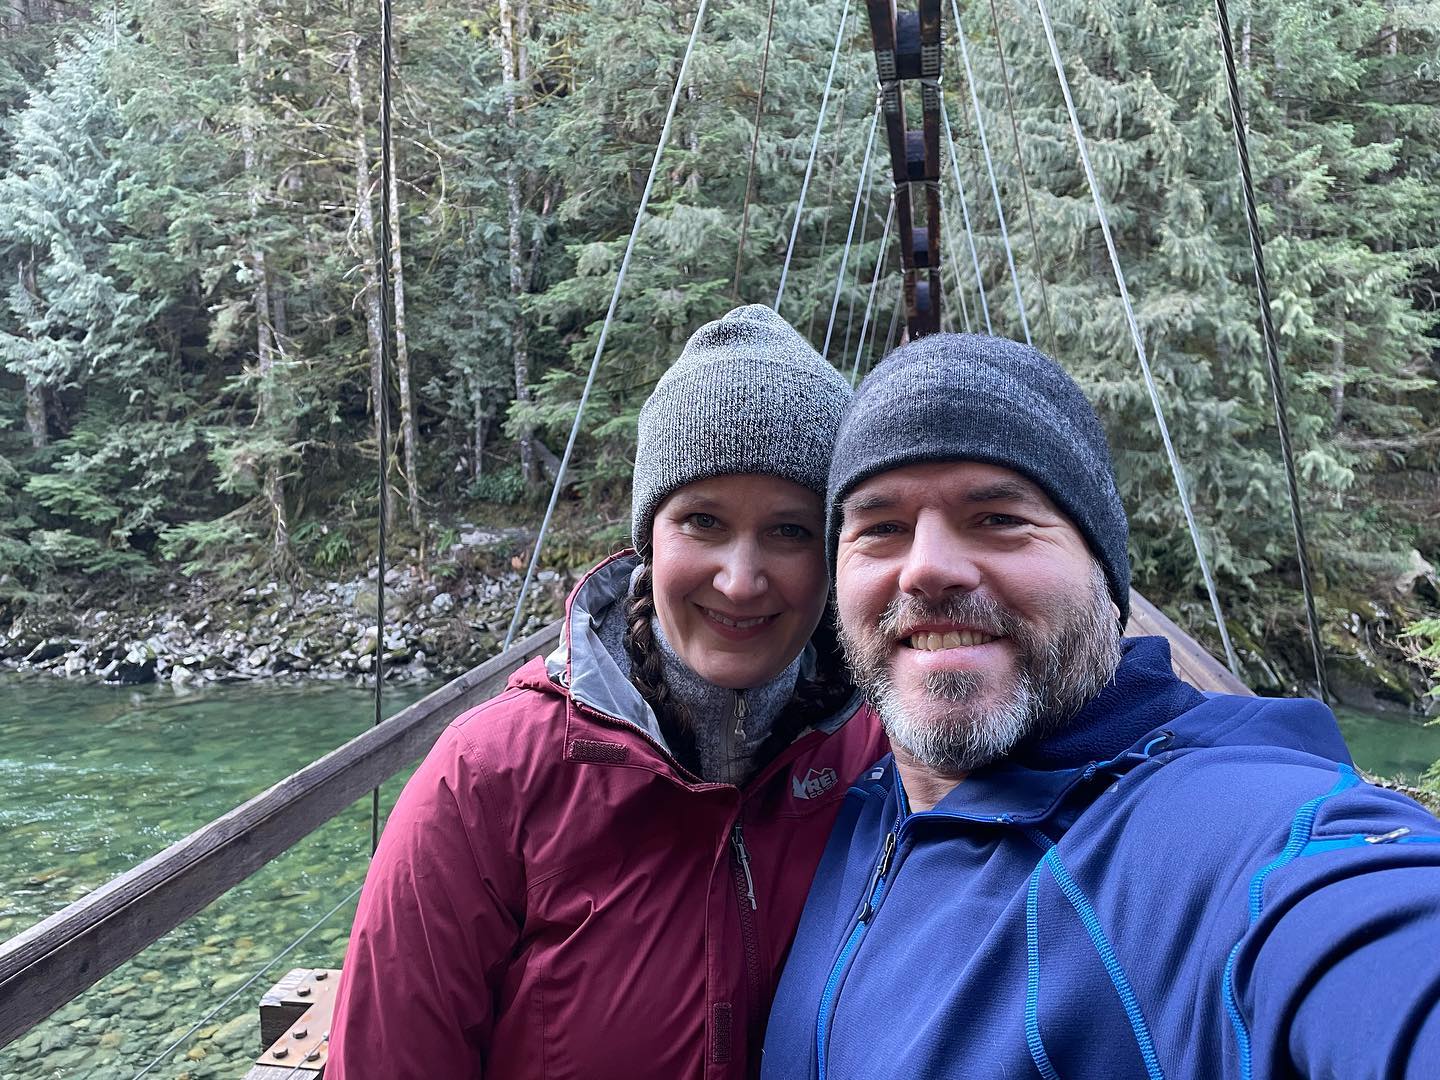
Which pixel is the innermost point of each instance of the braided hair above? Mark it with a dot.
(814, 699)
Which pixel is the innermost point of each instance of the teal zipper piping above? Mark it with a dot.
(873, 895)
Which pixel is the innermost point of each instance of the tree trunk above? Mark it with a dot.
(37, 415)
(274, 486)
(520, 31)
(479, 428)
(1337, 377)
(36, 420)
(519, 343)
(402, 349)
(365, 248)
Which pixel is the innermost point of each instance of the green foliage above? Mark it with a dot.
(223, 547)
(325, 547)
(506, 487)
(85, 555)
(178, 181)
(1423, 640)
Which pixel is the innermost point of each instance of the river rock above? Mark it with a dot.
(48, 649)
(366, 642)
(138, 666)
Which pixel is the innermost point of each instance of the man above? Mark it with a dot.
(1075, 865)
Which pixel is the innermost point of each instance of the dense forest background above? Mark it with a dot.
(190, 209)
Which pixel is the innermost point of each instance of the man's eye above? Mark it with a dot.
(880, 528)
(702, 521)
(1003, 521)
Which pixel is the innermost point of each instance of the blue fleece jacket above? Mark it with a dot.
(1175, 885)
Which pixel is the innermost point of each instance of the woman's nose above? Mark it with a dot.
(741, 576)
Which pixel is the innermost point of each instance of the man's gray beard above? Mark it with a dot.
(1056, 675)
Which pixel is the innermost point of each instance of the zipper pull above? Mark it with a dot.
(868, 911)
(1385, 838)
(742, 711)
(737, 840)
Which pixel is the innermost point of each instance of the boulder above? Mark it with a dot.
(48, 649)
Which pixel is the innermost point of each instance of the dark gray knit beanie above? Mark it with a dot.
(968, 397)
(748, 395)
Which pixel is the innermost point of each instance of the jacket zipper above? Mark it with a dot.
(874, 892)
(749, 931)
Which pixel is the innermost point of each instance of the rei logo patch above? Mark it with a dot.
(813, 784)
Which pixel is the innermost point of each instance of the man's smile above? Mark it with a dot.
(937, 640)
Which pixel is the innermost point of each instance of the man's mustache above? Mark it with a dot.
(975, 610)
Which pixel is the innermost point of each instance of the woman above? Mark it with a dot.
(598, 873)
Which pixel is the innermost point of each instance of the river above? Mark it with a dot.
(97, 778)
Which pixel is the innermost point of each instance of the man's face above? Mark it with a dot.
(971, 610)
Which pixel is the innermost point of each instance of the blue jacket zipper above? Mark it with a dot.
(873, 893)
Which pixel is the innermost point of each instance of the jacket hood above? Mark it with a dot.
(1143, 711)
(584, 667)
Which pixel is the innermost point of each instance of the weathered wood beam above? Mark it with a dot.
(57, 959)
(1187, 656)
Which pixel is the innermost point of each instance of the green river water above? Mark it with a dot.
(95, 779)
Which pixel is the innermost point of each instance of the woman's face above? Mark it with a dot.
(739, 575)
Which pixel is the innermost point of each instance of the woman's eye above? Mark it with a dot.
(790, 531)
(703, 521)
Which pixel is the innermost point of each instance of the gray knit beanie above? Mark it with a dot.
(748, 395)
(968, 397)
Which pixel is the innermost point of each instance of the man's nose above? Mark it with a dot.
(939, 562)
(741, 577)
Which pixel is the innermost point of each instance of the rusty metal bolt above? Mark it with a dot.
(280, 1051)
(300, 1033)
(303, 991)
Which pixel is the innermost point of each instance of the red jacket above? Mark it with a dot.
(553, 898)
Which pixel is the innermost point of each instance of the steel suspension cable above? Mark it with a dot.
(874, 284)
(965, 213)
(754, 143)
(605, 327)
(850, 233)
(875, 331)
(218, 1009)
(855, 278)
(838, 139)
(894, 322)
(810, 164)
(990, 168)
(1272, 346)
(1138, 340)
(387, 365)
(1024, 182)
(955, 270)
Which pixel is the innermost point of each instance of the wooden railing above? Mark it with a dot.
(1187, 656)
(57, 959)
